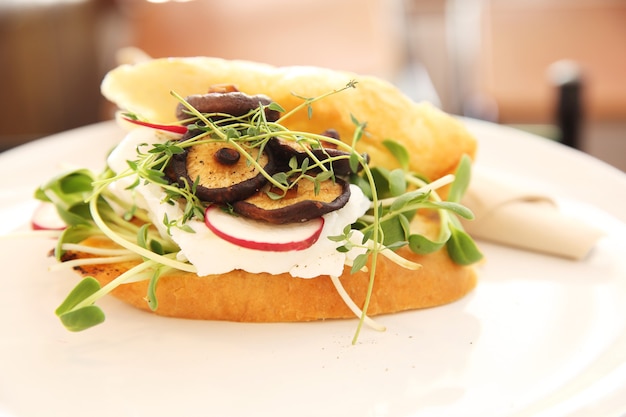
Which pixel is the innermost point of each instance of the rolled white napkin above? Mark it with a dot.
(512, 214)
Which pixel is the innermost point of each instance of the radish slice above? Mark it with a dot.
(253, 234)
(46, 217)
(168, 128)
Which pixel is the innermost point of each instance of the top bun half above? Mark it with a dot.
(435, 140)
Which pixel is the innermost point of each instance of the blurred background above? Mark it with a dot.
(553, 67)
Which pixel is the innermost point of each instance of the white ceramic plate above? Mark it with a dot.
(540, 336)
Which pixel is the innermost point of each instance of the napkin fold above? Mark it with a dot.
(513, 214)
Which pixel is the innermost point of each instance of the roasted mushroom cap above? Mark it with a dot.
(285, 149)
(222, 174)
(300, 204)
(232, 103)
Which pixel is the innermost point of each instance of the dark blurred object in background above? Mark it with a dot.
(49, 70)
(567, 77)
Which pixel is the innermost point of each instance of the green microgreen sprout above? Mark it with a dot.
(90, 208)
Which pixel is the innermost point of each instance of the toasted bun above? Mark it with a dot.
(434, 140)
(245, 297)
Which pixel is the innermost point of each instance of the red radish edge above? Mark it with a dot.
(169, 128)
(294, 245)
(46, 217)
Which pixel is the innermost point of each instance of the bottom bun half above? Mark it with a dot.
(259, 297)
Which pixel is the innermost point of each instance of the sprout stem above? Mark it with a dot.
(148, 254)
(352, 305)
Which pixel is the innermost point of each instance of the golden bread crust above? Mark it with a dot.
(244, 297)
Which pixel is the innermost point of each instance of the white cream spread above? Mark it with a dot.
(212, 255)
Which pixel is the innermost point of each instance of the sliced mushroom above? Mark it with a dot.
(234, 103)
(333, 134)
(223, 175)
(300, 204)
(285, 149)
